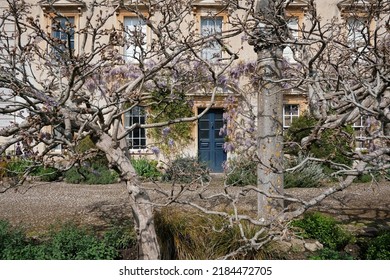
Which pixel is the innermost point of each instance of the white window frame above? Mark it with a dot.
(138, 135)
(293, 25)
(357, 32)
(290, 116)
(359, 128)
(210, 26)
(133, 50)
(62, 35)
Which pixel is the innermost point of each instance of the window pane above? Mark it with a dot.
(357, 31)
(137, 137)
(63, 29)
(136, 37)
(293, 26)
(210, 26)
(290, 112)
(204, 134)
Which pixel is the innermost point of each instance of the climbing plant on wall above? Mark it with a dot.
(168, 105)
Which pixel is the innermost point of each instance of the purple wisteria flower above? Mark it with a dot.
(155, 151)
(171, 142)
(222, 131)
(166, 131)
(229, 147)
(90, 84)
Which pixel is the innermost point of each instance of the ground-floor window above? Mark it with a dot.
(290, 112)
(361, 141)
(137, 137)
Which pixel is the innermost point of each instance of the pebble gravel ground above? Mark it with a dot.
(39, 205)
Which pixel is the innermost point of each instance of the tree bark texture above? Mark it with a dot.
(270, 134)
(140, 202)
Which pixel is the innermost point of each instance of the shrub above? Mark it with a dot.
(3, 167)
(69, 243)
(333, 144)
(91, 173)
(121, 236)
(72, 243)
(85, 145)
(11, 241)
(18, 167)
(330, 254)
(187, 170)
(46, 174)
(310, 175)
(323, 228)
(379, 247)
(146, 169)
(300, 128)
(241, 172)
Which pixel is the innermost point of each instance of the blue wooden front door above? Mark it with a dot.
(210, 142)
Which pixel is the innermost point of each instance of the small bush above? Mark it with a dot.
(72, 243)
(146, 169)
(379, 247)
(85, 145)
(330, 254)
(333, 144)
(310, 175)
(46, 174)
(121, 237)
(11, 241)
(91, 174)
(187, 170)
(18, 167)
(69, 243)
(323, 228)
(241, 172)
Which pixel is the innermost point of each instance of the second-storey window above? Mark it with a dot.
(7, 38)
(137, 137)
(357, 32)
(293, 26)
(135, 30)
(63, 30)
(211, 26)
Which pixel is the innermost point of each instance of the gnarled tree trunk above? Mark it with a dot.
(140, 202)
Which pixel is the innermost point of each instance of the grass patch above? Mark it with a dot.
(190, 235)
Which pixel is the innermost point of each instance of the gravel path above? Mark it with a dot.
(43, 204)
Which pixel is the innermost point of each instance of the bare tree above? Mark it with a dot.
(47, 84)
